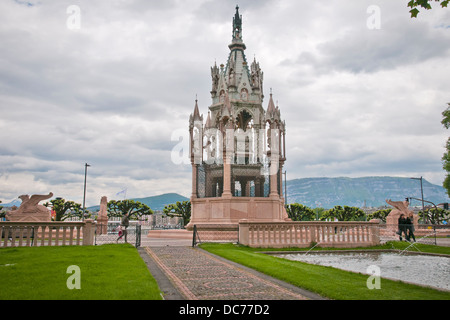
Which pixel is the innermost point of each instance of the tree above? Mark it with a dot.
(319, 212)
(299, 212)
(413, 4)
(179, 209)
(64, 209)
(380, 214)
(344, 214)
(130, 207)
(446, 157)
(2, 213)
(433, 215)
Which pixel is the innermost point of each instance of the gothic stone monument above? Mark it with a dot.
(238, 154)
(30, 210)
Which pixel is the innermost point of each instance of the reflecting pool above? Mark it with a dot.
(426, 270)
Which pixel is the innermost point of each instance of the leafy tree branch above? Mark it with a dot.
(64, 209)
(414, 4)
(299, 212)
(446, 157)
(133, 208)
(345, 213)
(179, 209)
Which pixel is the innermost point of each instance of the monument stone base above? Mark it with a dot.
(29, 217)
(225, 211)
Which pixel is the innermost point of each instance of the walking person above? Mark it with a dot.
(410, 227)
(119, 232)
(402, 226)
(124, 223)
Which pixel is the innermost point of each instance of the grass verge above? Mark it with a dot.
(107, 272)
(390, 245)
(326, 281)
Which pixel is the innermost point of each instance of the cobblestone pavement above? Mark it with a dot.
(199, 275)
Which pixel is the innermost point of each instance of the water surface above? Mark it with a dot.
(421, 269)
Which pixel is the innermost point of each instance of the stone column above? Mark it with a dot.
(273, 183)
(258, 192)
(88, 232)
(281, 181)
(274, 156)
(248, 187)
(226, 179)
(244, 232)
(228, 155)
(194, 181)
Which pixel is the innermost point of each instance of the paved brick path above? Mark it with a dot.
(199, 275)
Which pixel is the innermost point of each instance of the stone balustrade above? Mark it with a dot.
(18, 234)
(304, 234)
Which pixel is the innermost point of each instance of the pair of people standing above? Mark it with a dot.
(406, 226)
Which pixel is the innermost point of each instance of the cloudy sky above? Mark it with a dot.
(112, 83)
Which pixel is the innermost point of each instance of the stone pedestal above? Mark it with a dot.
(230, 210)
(29, 216)
(102, 218)
(89, 232)
(102, 226)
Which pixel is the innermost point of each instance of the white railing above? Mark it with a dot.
(306, 234)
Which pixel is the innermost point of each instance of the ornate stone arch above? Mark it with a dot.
(244, 118)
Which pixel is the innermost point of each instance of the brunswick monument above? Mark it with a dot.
(238, 152)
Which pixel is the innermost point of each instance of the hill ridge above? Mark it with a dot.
(327, 192)
(370, 191)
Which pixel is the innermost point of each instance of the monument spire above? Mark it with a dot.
(197, 111)
(237, 42)
(242, 80)
(237, 25)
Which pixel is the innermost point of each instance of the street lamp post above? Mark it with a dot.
(84, 196)
(421, 191)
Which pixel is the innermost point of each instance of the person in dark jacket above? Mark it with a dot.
(124, 224)
(402, 227)
(410, 228)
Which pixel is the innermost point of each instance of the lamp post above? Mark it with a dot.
(421, 191)
(84, 196)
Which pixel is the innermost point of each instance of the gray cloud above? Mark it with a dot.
(356, 101)
(370, 51)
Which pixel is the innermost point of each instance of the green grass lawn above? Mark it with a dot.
(327, 281)
(391, 245)
(107, 272)
(117, 272)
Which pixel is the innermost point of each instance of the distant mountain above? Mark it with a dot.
(159, 202)
(330, 192)
(11, 204)
(368, 191)
(154, 202)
